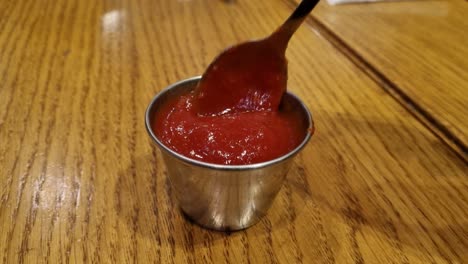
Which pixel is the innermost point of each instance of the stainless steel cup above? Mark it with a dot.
(224, 197)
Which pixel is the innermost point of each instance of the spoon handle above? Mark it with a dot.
(284, 33)
(302, 10)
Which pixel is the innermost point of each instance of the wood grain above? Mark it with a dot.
(82, 183)
(417, 51)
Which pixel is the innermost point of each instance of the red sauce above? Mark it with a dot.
(235, 138)
(234, 116)
(250, 76)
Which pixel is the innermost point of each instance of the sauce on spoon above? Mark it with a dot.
(250, 76)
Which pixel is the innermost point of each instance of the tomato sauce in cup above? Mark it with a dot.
(235, 138)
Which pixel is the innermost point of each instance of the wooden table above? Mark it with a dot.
(416, 51)
(380, 181)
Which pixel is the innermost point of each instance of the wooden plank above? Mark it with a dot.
(417, 51)
(81, 181)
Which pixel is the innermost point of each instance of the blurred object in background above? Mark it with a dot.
(337, 2)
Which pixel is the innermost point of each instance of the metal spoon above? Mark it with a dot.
(250, 76)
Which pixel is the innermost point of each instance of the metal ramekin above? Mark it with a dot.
(224, 197)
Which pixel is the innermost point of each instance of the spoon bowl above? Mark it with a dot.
(251, 76)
